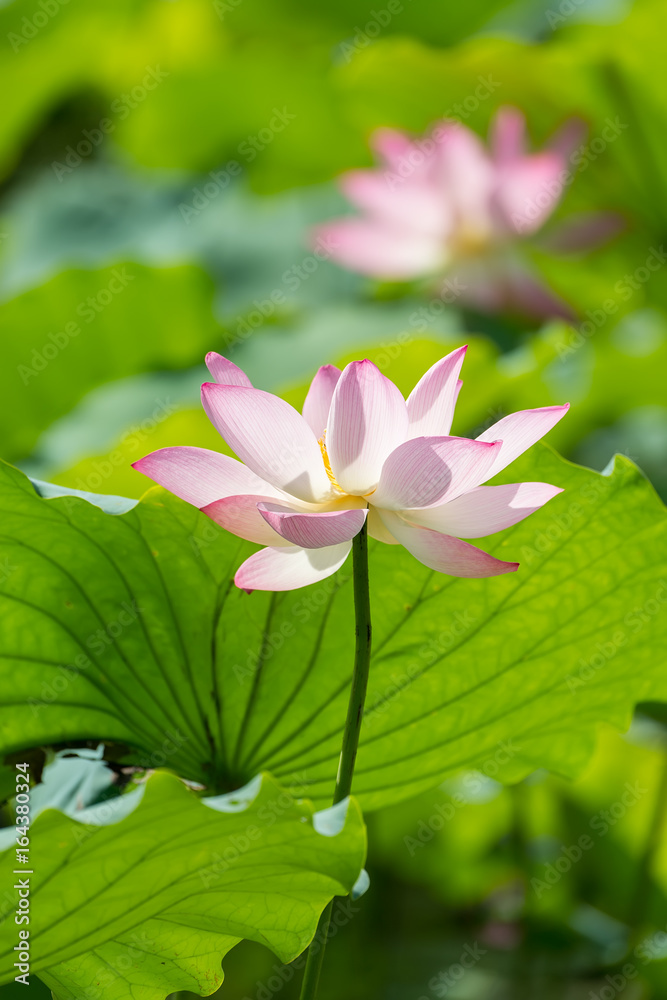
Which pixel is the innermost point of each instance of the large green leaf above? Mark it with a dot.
(151, 903)
(215, 92)
(129, 629)
(228, 67)
(84, 328)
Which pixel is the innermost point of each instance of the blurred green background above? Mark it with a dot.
(161, 165)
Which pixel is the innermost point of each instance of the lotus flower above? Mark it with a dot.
(445, 205)
(306, 483)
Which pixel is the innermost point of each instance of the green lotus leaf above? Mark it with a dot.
(148, 901)
(128, 629)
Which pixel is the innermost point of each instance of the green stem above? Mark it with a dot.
(348, 754)
(315, 959)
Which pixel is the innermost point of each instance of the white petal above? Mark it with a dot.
(240, 515)
(377, 529)
(200, 476)
(508, 135)
(270, 437)
(431, 403)
(417, 206)
(318, 400)
(290, 568)
(443, 553)
(226, 372)
(430, 470)
(382, 251)
(519, 431)
(468, 177)
(313, 530)
(484, 510)
(367, 420)
(529, 190)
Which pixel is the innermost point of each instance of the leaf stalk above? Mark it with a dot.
(348, 755)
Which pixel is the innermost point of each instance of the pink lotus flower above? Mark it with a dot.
(306, 483)
(444, 205)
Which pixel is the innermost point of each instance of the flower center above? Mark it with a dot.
(470, 240)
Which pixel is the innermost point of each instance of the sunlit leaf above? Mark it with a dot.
(150, 902)
(129, 629)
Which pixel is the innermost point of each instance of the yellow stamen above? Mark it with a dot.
(470, 241)
(327, 464)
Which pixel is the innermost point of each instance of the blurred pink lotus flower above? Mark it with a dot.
(306, 483)
(445, 205)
